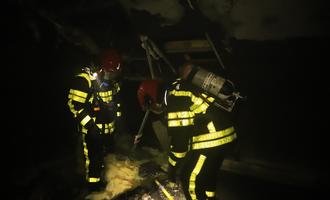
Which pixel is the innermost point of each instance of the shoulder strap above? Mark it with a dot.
(86, 76)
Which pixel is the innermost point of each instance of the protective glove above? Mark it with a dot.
(137, 138)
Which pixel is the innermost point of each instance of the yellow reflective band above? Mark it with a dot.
(86, 152)
(186, 122)
(192, 185)
(86, 157)
(181, 122)
(106, 99)
(179, 155)
(108, 128)
(194, 106)
(181, 93)
(195, 172)
(105, 94)
(167, 194)
(76, 98)
(197, 100)
(85, 120)
(182, 114)
(171, 161)
(118, 114)
(210, 194)
(78, 93)
(93, 179)
(210, 99)
(106, 131)
(111, 128)
(193, 196)
(214, 135)
(102, 94)
(214, 143)
(199, 106)
(200, 109)
(211, 127)
(118, 104)
(84, 130)
(111, 124)
(171, 115)
(91, 99)
(86, 76)
(71, 107)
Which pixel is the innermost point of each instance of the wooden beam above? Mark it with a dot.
(186, 46)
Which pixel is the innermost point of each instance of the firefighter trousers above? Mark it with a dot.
(200, 171)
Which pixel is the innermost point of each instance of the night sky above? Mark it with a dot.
(278, 60)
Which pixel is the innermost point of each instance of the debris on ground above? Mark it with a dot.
(138, 177)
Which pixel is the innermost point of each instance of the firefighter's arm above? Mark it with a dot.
(77, 98)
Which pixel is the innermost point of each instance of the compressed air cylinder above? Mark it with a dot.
(209, 82)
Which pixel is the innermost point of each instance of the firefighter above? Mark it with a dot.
(214, 134)
(94, 101)
(200, 124)
(178, 117)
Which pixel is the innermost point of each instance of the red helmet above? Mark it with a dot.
(149, 92)
(111, 60)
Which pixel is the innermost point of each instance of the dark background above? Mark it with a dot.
(282, 122)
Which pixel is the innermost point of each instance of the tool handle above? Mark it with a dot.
(139, 134)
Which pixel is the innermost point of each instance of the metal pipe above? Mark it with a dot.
(160, 53)
(146, 47)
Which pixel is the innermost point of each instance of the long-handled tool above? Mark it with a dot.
(163, 189)
(140, 133)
